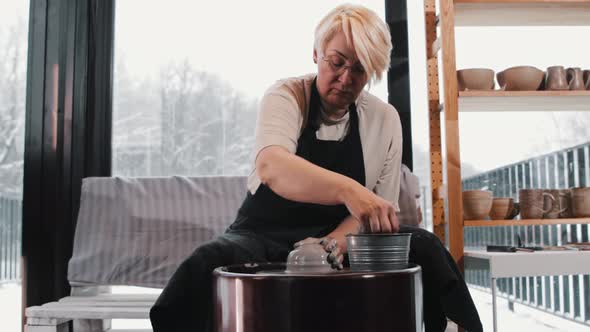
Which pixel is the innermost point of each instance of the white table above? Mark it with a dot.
(529, 264)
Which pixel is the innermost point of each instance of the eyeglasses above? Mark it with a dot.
(338, 66)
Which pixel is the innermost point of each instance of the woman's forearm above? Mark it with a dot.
(295, 178)
(348, 226)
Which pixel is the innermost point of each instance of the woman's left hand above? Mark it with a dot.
(331, 246)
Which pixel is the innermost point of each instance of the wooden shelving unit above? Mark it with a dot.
(486, 13)
(523, 101)
(522, 12)
(525, 222)
(482, 13)
(434, 114)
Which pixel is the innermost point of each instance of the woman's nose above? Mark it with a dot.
(345, 77)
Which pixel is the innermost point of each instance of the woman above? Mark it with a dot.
(328, 158)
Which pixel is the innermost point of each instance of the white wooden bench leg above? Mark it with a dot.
(46, 325)
(91, 325)
(39, 328)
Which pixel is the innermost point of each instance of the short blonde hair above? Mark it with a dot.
(364, 31)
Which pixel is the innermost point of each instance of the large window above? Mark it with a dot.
(13, 62)
(188, 78)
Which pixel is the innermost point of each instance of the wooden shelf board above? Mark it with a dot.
(522, 12)
(515, 101)
(525, 222)
(523, 1)
(498, 93)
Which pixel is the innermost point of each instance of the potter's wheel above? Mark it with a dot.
(266, 298)
(281, 270)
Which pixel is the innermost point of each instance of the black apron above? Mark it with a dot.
(272, 216)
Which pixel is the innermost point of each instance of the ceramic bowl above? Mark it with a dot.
(503, 208)
(477, 204)
(521, 78)
(475, 79)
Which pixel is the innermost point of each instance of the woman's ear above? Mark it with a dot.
(315, 56)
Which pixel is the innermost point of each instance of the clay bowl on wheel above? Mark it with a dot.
(475, 79)
(521, 78)
(476, 204)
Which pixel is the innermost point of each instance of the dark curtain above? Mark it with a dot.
(68, 132)
(398, 77)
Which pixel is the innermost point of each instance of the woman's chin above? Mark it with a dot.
(339, 102)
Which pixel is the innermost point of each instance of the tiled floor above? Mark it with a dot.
(522, 318)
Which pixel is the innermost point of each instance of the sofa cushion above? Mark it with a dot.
(136, 231)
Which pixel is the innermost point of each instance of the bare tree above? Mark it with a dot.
(567, 129)
(12, 104)
(207, 127)
(136, 123)
(572, 128)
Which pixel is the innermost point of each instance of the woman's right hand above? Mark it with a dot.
(375, 214)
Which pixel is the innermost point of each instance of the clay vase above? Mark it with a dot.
(575, 78)
(586, 75)
(556, 78)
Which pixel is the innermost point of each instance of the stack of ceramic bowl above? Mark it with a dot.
(378, 252)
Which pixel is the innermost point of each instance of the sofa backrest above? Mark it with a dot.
(136, 231)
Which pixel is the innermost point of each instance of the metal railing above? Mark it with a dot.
(566, 296)
(10, 238)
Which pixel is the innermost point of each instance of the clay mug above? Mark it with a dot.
(535, 203)
(581, 201)
(562, 206)
(556, 78)
(586, 75)
(575, 78)
(565, 203)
